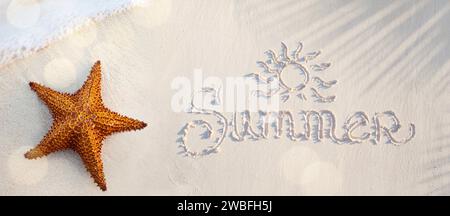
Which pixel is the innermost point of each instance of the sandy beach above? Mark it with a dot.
(383, 55)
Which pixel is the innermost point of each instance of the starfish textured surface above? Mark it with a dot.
(81, 122)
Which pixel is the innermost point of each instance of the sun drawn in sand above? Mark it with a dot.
(280, 68)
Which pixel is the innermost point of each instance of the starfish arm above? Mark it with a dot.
(110, 122)
(58, 138)
(89, 147)
(90, 92)
(58, 103)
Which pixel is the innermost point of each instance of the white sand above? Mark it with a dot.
(385, 56)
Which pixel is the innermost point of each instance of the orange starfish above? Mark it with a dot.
(81, 122)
